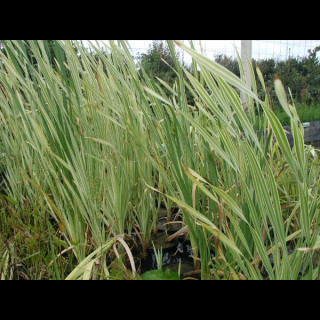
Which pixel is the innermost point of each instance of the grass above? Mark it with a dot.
(93, 149)
(305, 113)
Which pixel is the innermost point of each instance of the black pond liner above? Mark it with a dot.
(179, 253)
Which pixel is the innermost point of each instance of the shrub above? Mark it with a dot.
(301, 75)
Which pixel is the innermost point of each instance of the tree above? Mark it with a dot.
(158, 61)
(301, 75)
(228, 62)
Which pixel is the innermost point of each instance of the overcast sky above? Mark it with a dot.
(279, 49)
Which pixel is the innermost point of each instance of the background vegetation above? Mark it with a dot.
(301, 75)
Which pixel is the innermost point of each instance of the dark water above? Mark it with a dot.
(180, 253)
(315, 144)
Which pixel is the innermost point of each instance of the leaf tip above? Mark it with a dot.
(276, 78)
(178, 43)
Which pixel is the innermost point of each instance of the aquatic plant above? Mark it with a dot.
(97, 148)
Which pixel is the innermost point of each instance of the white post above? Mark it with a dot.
(246, 53)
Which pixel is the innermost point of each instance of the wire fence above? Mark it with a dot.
(261, 49)
(282, 49)
(301, 77)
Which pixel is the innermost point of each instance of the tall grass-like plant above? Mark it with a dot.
(255, 221)
(68, 149)
(92, 141)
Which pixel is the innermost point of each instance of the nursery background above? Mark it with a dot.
(295, 62)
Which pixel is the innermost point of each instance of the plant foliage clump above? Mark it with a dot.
(94, 147)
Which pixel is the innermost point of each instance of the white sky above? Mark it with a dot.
(279, 49)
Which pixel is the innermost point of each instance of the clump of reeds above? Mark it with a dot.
(92, 141)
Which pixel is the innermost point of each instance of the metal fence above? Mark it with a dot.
(261, 49)
(305, 87)
(282, 49)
